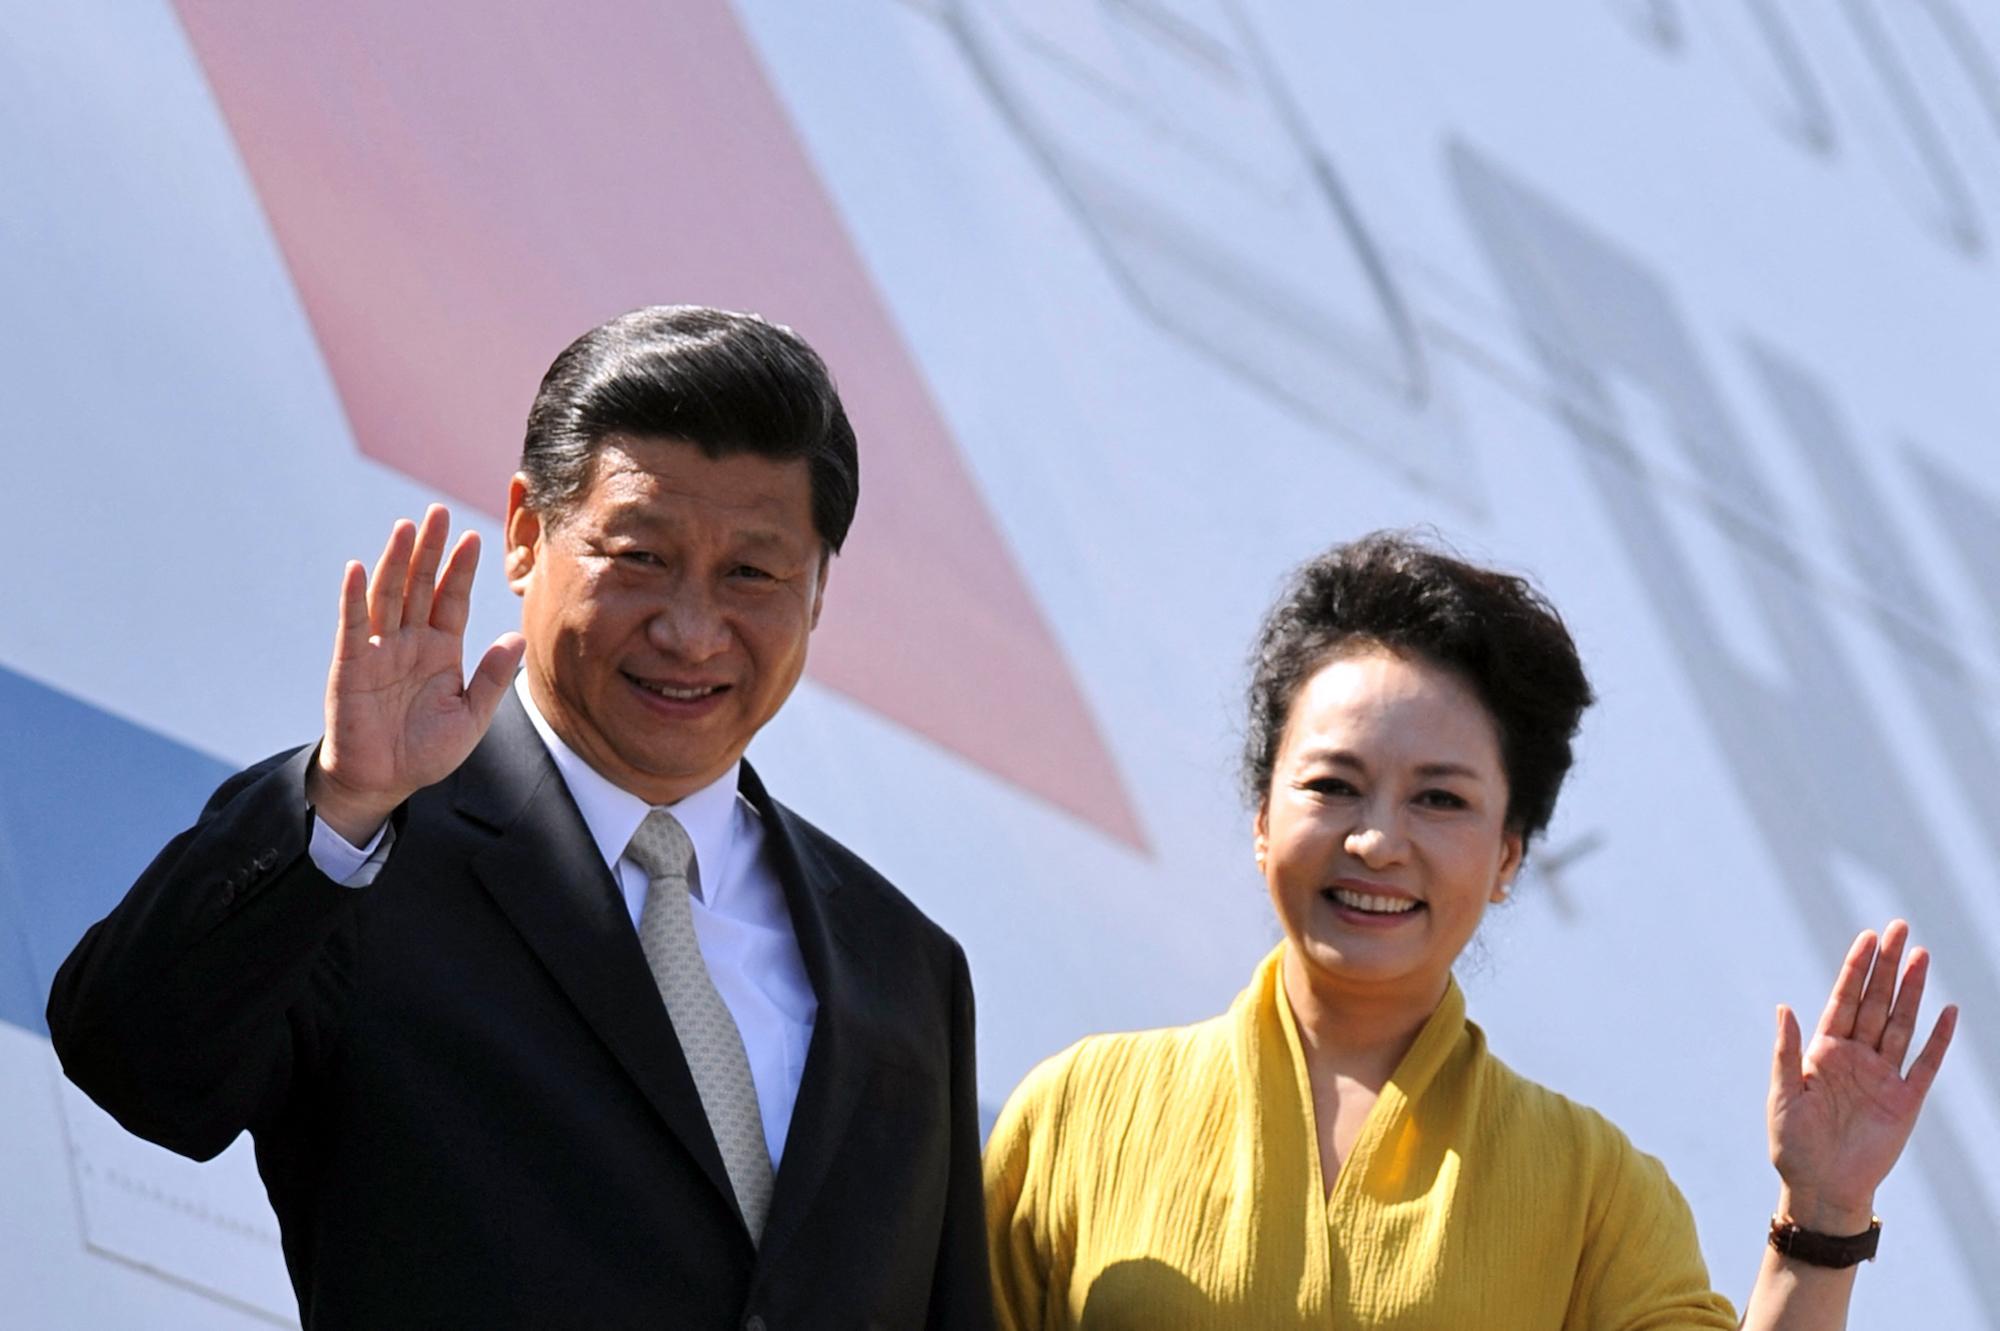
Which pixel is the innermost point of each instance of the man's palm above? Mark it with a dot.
(399, 713)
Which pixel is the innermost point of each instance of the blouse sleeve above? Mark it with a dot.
(1642, 1268)
(1022, 1213)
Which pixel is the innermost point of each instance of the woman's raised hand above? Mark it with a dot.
(399, 713)
(1842, 1107)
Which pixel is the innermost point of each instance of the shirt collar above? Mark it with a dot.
(612, 814)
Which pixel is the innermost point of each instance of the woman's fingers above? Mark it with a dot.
(1844, 1003)
(1924, 1071)
(1787, 1074)
(1902, 1027)
(1872, 1017)
(431, 533)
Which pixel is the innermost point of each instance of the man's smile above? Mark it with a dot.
(676, 692)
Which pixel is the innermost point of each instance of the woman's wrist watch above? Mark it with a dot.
(1831, 1250)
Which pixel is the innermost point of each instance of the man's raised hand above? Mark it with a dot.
(400, 714)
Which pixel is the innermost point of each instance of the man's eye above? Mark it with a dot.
(643, 558)
(1442, 799)
(751, 572)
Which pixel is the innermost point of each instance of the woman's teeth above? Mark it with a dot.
(1373, 904)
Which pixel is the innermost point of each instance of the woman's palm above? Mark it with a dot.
(1841, 1111)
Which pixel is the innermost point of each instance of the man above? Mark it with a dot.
(540, 1010)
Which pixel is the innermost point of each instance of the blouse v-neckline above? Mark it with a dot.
(1387, 1125)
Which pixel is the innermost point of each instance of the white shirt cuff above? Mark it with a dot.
(345, 863)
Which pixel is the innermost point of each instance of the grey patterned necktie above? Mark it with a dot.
(708, 1034)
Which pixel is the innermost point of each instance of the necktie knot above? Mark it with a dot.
(662, 848)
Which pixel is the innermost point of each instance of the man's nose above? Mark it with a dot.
(688, 625)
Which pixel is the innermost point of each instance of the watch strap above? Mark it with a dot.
(1830, 1250)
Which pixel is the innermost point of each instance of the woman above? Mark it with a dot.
(1339, 1148)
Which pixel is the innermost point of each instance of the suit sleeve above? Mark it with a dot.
(961, 1294)
(182, 1013)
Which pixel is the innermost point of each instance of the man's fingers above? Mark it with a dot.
(1845, 1000)
(496, 671)
(431, 534)
(454, 586)
(1873, 1014)
(350, 630)
(1902, 1027)
(1787, 1075)
(385, 592)
(1925, 1070)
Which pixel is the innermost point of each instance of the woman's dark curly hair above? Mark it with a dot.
(1495, 631)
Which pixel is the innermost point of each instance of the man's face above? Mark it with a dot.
(667, 612)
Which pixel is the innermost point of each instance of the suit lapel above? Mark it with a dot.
(547, 876)
(844, 1039)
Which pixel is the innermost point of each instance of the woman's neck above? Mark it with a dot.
(1361, 1034)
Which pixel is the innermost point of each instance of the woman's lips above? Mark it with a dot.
(1369, 906)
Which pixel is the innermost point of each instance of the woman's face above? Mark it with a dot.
(1383, 834)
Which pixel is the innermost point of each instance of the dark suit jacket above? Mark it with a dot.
(468, 1103)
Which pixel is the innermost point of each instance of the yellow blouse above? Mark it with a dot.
(1171, 1179)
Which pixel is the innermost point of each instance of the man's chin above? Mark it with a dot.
(665, 778)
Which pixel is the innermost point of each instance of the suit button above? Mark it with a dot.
(753, 1323)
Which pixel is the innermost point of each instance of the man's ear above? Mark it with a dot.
(524, 534)
(819, 586)
(1260, 828)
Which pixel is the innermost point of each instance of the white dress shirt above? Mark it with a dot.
(741, 922)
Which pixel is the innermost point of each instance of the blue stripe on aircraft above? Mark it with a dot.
(86, 801)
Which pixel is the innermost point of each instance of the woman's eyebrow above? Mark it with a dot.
(1334, 757)
(1446, 769)
(1349, 759)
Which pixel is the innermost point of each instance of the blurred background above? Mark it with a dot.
(1689, 308)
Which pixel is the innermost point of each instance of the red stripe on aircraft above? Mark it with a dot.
(459, 187)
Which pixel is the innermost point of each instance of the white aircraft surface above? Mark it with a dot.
(1689, 308)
